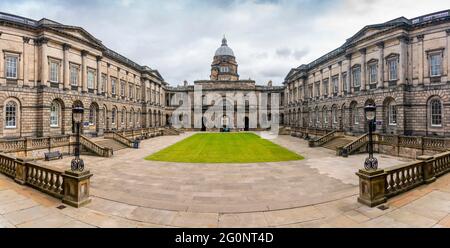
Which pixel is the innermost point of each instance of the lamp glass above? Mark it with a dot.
(77, 114)
(370, 112)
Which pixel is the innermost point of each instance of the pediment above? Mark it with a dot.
(77, 32)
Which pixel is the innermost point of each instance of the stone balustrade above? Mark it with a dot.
(71, 187)
(377, 186)
(324, 139)
(97, 149)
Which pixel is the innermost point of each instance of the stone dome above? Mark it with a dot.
(224, 50)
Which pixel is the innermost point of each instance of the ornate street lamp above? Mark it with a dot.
(371, 163)
(77, 163)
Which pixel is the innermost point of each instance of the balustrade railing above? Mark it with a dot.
(12, 145)
(441, 163)
(401, 178)
(8, 165)
(355, 145)
(97, 149)
(122, 139)
(48, 180)
(324, 139)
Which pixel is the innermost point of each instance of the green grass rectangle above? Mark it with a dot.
(224, 148)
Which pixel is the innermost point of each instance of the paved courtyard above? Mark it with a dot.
(319, 191)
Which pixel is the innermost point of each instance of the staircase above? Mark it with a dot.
(115, 145)
(338, 142)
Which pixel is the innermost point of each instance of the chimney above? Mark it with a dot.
(185, 83)
(269, 83)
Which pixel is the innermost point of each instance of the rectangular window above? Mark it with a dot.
(11, 66)
(104, 81)
(90, 79)
(325, 87)
(344, 81)
(356, 77)
(373, 72)
(356, 116)
(74, 72)
(392, 69)
(435, 65)
(335, 84)
(113, 86)
(122, 88)
(318, 89)
(130, 91)
(392, 114)
(54, 71)
(310, 91)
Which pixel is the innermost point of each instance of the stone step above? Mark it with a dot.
(116, 146)
(338, 142)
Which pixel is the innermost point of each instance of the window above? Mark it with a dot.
(113, 86)
(54, 71)
(334, 114)
(92, 115)
(355, 115)
(335, 84)
(122, 88)
(11, 114)
(113, 116)
(310, 90)
(318, 89)
(122, 119)
(54, 114)
(130, 117)
(74, 72)
(90, 79)
(356, 77)
(392, 109)
(392, 69)
(436, 113)
(317, 116)
(224, 69)
(373, 73)
(344, 81)
(11, 66)
(104, 78)
(325, 115)
(435, 65)
(325, 87)
(130, 91)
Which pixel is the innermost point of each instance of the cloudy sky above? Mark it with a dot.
(179, 38)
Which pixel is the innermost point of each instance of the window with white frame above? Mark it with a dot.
(355, 115)
(54, 114)
(54, 71)
(373, 73)
(317, 88)
(11, 114)
(325, 115)
(392, 69)
(335, 84)
(130, 91)
(130, 117)
(122, 88)
(325, 87)
(11, 64)
(122, 118)
(344, 82)
(435, 64)
(92, 115)
(356, 75)
(113, 86)
(392, 113)
(436, 112)
(90, 79)
(334, 114)
(74, 72)
(224, 69)
(113, 116)
(317, 116)
(104, 82)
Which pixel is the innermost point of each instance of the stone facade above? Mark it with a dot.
(224, 82)
(402, 66)
(46, 68)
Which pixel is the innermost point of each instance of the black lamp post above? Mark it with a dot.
(371, 163)
(77, 163)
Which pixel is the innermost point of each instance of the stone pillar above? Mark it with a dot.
(363, 69)
(427, 168)
(349, 73)
(402, 66)
(420, 57)
(108, 87)
(330, 83)
(99, 74)
(372, 187)
(44, 62)
(321, 89)
(84, 53)
(25, 65)
(66, 69)
(21, 170)
(76, 188)
(380, 46)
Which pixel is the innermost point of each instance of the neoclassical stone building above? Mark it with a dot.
(402, 66)
(46, 68)
(224, 81)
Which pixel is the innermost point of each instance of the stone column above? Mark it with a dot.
(99, 75)
(380, 46)
(44, 62)
(420, 57)
(84, 71)
(25, 65)
(349, 73)
(321, 90)
(402, 60)
(108, 80)
(330, 84)
(340, 82)
(363, 69)
(66, 69)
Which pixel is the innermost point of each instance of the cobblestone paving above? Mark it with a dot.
(319, 191)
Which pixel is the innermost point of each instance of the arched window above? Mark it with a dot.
(334, 114)
(392, 113)
(92, 114)
(11, 114)
(122, 119)
(355, 115)
(436, 112)
(54, 114)
(325, 115)
(113, 116)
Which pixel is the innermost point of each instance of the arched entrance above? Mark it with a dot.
(246, 120)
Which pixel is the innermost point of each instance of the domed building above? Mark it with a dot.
(224, 66)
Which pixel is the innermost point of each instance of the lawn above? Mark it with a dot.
(224, 148)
